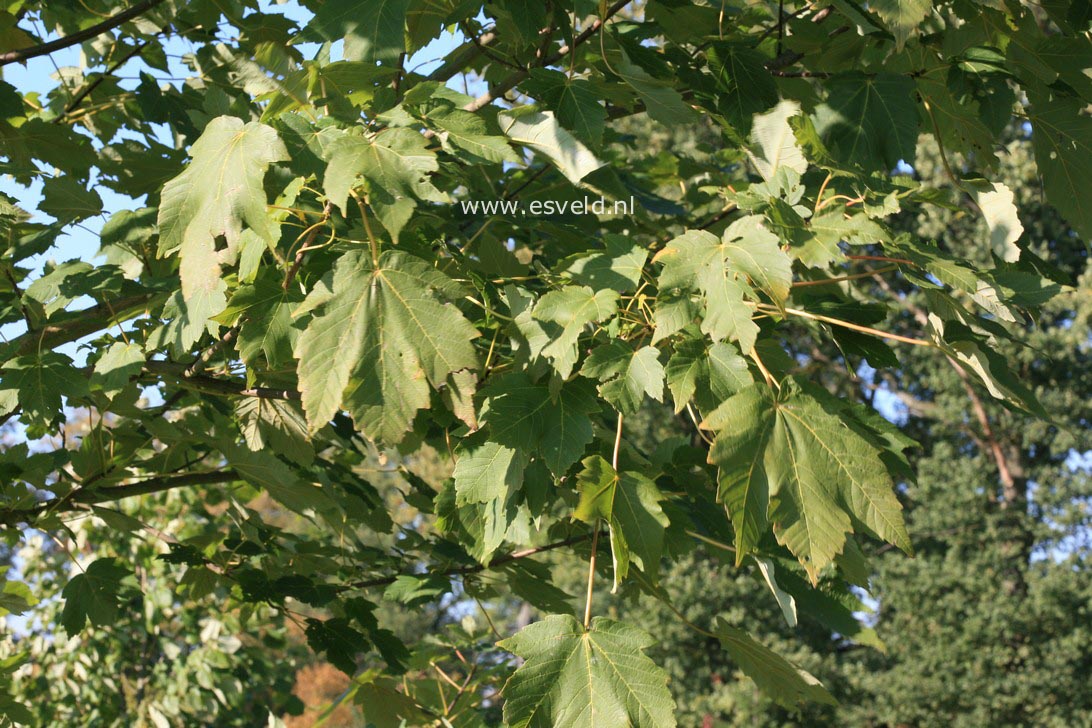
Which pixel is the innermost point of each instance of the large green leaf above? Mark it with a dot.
(870, 121)
(816, 476)
(1062, 139)
(577, 678)
(381, 338)
(219, 191)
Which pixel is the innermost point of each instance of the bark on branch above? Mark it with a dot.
(67, 41)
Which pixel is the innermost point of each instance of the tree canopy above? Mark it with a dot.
(302, 385)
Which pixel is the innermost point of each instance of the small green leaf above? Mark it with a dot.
(630, 504)
(773, 674)
(67, 200)
(396, 164)
(619, 266)
(92, 596)
(41, 381)
(487, 472)
(276, 424)
(627, 375)
(119, 363)
(706, 373)
(569, 310)
(724, 271)
(466, 132)
(541, 131)
(902, 17)
(662, 102)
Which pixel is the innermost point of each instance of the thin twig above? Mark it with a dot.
(22, 54)
(854, 327)
(312, 233)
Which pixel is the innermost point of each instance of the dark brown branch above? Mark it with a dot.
(74, 325)
(211, 385)
(461, 57)
(993, 446)
(153, 485)
(298, 260)
(22, 54)
(205, 357)
(93, 496)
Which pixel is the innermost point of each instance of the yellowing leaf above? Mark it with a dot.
(219, 191)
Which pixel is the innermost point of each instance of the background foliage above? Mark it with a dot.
(562, 470)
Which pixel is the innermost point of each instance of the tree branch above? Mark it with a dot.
(94, 31)
(84, 92)
(500, 89)
(211, 385)
(73, 325)
(92, 496)
(989, 441)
